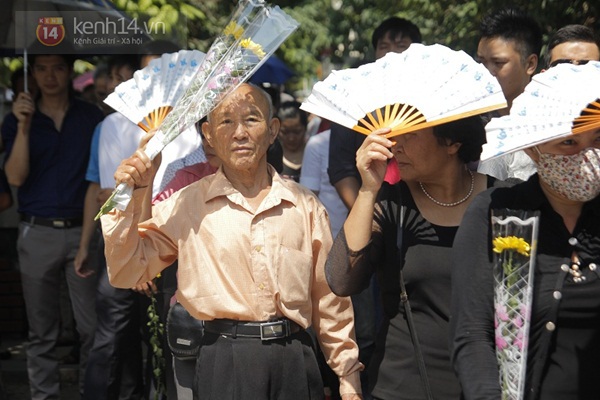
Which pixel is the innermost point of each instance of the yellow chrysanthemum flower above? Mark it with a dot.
(234, 30)
(254, 47)
(503, 243)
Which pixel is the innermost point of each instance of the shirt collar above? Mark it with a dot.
(200, 170)
(281, 189)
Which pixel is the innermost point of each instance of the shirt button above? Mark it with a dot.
(565, 267)
(550, 326)
(258, 248)
(261, 286)
(593, 267)
(557, 295)
(573, 241)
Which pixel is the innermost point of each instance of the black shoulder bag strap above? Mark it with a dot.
(408, 311)
(415, 339)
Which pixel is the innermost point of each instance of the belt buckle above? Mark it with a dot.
(274, 330)
(58, 223)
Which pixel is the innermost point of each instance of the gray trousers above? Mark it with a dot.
(43, 253)
(184, 371)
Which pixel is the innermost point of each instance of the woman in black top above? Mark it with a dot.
(410, 226)
(564, 340)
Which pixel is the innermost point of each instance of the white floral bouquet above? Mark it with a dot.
(254, 32)
(514, 246)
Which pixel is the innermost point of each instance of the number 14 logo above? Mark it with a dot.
(50, 31)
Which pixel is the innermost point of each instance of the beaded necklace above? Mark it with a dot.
(439, 203)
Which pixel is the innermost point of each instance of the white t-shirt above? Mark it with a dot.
(314, 176)
(513, 165)
(119, 139)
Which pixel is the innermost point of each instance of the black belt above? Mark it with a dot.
(58, 223)
(269, 330)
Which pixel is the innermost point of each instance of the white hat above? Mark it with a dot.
(559, 102)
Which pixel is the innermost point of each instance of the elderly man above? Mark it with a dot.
(251, 249)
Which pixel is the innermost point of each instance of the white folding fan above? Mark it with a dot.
(561, 101)
(253, 33)
(148, 97)
(422, 87)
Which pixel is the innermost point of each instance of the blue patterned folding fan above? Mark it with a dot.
(561, 101)
(147, 98)
(422, 87)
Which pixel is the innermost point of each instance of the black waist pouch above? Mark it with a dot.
(184, 333)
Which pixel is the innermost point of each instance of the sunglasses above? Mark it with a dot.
(568, 61)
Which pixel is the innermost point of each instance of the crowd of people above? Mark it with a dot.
(298, 242)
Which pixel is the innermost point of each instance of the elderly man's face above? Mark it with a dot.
(240, 128)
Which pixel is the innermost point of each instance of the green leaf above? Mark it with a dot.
(153, 10)
(191, 12)
(144, 4)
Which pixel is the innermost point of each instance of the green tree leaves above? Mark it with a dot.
(337, 33)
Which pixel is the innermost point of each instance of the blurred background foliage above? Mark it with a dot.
(335, 34)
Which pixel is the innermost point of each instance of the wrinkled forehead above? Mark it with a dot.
(246, 99)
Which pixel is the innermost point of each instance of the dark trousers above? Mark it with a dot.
(44, 253)
(247, 368)
(166, 286)
(114, 369)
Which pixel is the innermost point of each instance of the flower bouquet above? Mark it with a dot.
(514, 246)
(254, 32)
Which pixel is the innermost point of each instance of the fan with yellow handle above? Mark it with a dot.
(422, 87)
(524, 128)
(558, 103)
(154, 118)
(403, 118)
(151, 94)
(589, 118)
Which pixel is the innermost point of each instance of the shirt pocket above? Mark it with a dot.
(294, 276)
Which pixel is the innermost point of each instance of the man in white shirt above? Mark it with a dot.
(314, 176)
(510, 48)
